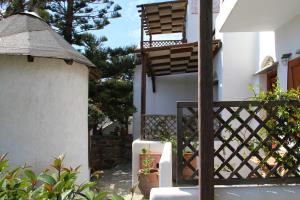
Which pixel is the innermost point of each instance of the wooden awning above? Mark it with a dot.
(164, 17)
(174, 59)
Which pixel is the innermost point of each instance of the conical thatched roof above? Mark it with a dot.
(28, 34)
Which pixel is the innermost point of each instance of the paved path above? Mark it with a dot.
(118, 180)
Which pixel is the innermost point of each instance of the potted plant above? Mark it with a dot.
(155, 157)
(148, 176)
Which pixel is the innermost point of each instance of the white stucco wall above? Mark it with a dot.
(192, 19)
(235, 65)
(169, 90)
(43, 112)
(275, 43)
(241, 56)
(287, 41)
(266, 47)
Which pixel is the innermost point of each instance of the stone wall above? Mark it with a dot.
(109, 151)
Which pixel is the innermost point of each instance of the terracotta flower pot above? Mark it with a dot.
(148, 181)
(188, 172)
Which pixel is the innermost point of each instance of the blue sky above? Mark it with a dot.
(125, 30)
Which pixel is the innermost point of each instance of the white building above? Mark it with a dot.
(251, 31)
(174, 72)
(251, 34)
(43, 95)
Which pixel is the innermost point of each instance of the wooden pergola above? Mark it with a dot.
(163, 17)
(159, 18)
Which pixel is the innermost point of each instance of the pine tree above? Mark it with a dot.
(71, 18)
(12, 7)
(113, 93)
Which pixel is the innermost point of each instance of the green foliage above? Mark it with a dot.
(117, 63)
(116, 97)
(71, 18)
(277, 94)
(283, 122)
(16, 6)
(113, 94)
(147, 162)
(165, 135)
(23, 184)
(96, 116)
(74, 17)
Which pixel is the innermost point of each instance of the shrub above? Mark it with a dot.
(23, 184)
(283, 122)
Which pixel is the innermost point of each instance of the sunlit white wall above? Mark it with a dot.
(44, 112)
(169, 90)
(287, 41)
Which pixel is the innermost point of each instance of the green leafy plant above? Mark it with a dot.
(148, 177)
(283, 122)
(165, 134)
(23, 184)
(147, 162)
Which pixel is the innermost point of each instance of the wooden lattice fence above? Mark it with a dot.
(187, 143)
(155, 125)
(255, 142)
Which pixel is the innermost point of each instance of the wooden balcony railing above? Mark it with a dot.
(255, 143)
(161, 43)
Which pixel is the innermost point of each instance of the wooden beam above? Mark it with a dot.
(166, 73)
(153, 84)
(205, 103)
(143, 79)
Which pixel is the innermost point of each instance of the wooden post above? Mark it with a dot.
(205, 103)
(150, 40)
(142, 29)
(143, 78)
(184, 40)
